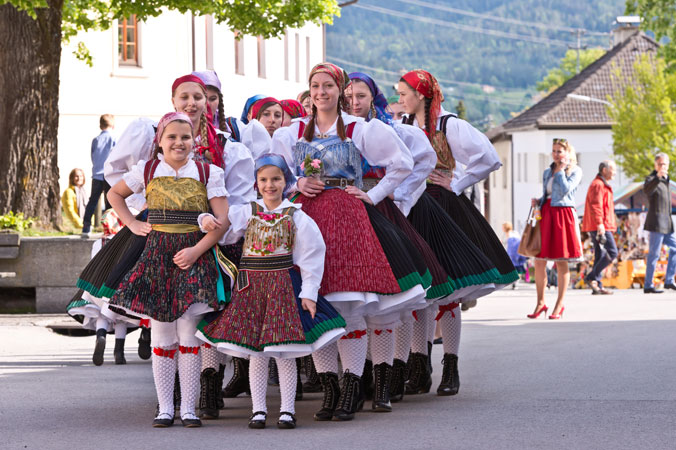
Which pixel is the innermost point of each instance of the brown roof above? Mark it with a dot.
(558, 111)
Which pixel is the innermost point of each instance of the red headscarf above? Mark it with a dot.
(293, 108)
(208, 143)
(338, 74)
(256, 108)
(423, 82)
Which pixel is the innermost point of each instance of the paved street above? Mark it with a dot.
(604, 377)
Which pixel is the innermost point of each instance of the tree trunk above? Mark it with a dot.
(29, 111)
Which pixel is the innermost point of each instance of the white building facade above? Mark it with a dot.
(134, 65)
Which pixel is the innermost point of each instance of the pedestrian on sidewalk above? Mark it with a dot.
(101, 147)
(659, 224)
(600, 222)
(559, 227)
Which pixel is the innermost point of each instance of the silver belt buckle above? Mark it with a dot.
(343, 183)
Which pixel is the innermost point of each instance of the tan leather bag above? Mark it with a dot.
(531, 241)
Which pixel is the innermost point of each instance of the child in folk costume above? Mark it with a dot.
(274, 312)
(176, 279)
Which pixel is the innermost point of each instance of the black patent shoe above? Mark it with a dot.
(331, 390)
(239, 383)
(190, 420)
(397, 381)
(381, 393)
(257, 424)
(652, 290)
(348, 403)
(100, 347)
(144, 351)
(163, 420)
(450, 379)
(286, 424)
(670, 286)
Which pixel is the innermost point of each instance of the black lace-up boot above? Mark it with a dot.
(239, 382)
(331, 390)
(381, 394)
(348, 403)
(450, 378)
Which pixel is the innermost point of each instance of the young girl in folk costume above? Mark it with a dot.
(174, 282)
(268, 111)
(457, 266)
(371, 268)
(274, 312)
(253, 135)
(86, 308)
(464, 157)
(188, 95)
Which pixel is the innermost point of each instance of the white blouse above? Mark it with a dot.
(309, 248)
(136, 144)
(255, 137)
(424, 160)
(474, 154)
(215, 187)
(377, 142)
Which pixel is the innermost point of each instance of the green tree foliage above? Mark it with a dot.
(644, 117)
(568, 68)
(460, 110)
(659, 16)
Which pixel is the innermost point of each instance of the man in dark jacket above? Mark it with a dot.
(658, 222)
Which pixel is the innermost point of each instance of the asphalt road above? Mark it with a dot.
(603, 377)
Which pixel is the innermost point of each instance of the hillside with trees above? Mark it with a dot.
(488, 53)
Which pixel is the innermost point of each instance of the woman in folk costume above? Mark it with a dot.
(253, 135)
(371, 269)
(464, 157)
(105, 272)
(176, 279)
(275, 310)
(458, 266)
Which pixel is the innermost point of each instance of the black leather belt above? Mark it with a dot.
(337, 182)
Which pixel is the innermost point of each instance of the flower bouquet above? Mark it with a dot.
(312, 167)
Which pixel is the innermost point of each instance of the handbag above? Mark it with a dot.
(531, 242)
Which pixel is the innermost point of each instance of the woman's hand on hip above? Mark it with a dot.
(310, 186)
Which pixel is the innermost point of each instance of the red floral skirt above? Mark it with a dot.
(559, 231)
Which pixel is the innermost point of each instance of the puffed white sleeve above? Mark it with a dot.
(424, 160)
(256, 138)
(135, 144)
(381, 146)
(308, 254)
(238, 174)
(473, 150)
(215, 184)
(283, 141)
(134, 177)
(238, 215)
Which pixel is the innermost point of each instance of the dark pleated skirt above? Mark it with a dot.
(157, 288)
(441, 287)
(477, 229)
(105, 262)
(464, 262)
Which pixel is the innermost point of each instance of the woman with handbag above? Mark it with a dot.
(559, 230)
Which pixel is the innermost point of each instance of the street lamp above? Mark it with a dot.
(586, 98)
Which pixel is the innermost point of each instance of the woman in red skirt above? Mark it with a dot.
(559, 229)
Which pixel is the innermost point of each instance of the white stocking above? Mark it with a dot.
(287, 384)
(258, 383)
(189, 364)
(120, 330)
(102, 322)
(381, 343)
(353, 353)
(403, 336)
(420, 333)
(211, 357)
(431, 323)
(326, 359)
(164, 372)
(450, 330)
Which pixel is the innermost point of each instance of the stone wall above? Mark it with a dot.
(49, 264)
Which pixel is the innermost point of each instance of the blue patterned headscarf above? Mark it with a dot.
(379, 100)
(273, 159)
(247, 106)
